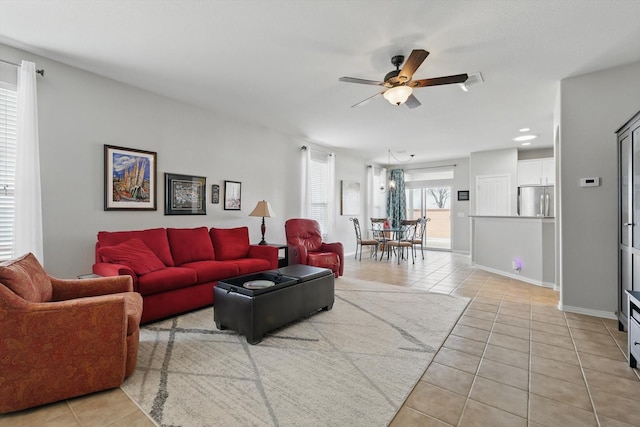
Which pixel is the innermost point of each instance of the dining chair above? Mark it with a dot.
(379, 233)
(360, 242)
(404, 239)
(421, 230)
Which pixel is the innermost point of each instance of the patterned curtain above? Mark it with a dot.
(396, 200)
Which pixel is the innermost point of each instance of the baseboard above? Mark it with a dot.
(515, 276)
(462, 252)
(588, 312)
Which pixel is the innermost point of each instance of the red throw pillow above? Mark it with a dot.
(134, 254)
(230, 243)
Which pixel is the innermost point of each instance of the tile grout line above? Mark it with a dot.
(584, 375)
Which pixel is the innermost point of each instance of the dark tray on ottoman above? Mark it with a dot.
(299, 290)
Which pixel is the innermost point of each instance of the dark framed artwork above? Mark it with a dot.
(215, 194)
(232, 195)
(349, 198)
(184, 194)
(463, 195)
(129, 179)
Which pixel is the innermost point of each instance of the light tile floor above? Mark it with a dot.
(513, 359)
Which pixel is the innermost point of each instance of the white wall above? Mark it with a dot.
(79, 112)
(593, 107)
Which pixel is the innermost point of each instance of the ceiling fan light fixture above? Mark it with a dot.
(398, 95)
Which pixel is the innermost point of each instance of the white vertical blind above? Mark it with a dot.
(8, 126)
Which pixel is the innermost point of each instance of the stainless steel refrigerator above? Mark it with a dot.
(535, 201)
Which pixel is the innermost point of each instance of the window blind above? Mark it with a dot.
(8, 126)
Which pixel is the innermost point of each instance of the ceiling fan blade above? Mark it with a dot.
(446, 80)
(364, 101)
(416, 59)
(412, 102)
(361, 81)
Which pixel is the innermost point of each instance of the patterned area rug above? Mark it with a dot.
(353, 365)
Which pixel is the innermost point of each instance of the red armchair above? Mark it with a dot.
(63, 338)
(306, 246)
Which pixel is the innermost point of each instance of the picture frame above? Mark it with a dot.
(215, 194)
(463, 195)
(130, 182)
(232, 195)
(184, 194)
(349, 198)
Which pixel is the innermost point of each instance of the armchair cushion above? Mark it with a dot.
(190, 245)
(230, 243)
(134, 254)
(26, 277)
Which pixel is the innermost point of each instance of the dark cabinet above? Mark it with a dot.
(628, 214)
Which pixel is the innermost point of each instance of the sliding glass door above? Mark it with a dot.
(433, 202)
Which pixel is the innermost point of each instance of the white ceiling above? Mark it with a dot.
(277, 62)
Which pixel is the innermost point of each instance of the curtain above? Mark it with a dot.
(28, 206)
(396, 200)
(305, 195)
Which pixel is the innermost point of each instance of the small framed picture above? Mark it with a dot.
(232, 198)
(215, 194)
(463, 195)
(184, 194)
(129, 179)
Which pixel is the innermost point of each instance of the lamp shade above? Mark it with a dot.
(263, 209)
(397, 95)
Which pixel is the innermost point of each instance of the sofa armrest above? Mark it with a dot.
(335, 248)
(106, 269)
(71, 348)
(64, 289)
(270, 253)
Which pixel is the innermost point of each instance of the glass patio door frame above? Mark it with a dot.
(423, 186)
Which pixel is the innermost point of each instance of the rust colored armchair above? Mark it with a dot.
(306, 246)
(63, 338)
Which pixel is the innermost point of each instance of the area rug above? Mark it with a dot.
(353, 365)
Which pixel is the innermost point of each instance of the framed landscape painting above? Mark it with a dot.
(184, 194)
(349, 198)
(129, 179)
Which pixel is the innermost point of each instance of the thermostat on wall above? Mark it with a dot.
(590, 182)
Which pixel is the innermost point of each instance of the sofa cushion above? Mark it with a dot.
(190, 244)
(26, 278)
(154, 238)
(134, 254)
(230, 243)
(212, 271)
(167, 279)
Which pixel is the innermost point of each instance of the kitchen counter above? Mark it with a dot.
(515, 246)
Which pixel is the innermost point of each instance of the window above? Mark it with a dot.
(319, 188)
(8, 125)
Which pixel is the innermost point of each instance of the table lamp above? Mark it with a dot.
(263, 209)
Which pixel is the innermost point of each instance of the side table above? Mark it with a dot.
(283, 253)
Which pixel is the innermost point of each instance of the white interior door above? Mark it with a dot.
(492, 195)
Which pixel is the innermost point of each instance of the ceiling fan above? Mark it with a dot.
(398, 83)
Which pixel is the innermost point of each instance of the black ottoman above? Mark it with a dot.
(299, 291)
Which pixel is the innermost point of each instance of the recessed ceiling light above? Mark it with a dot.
(525, 138)
(526, 143)
(525, 130)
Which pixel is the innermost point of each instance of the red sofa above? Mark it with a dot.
(175, 269)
